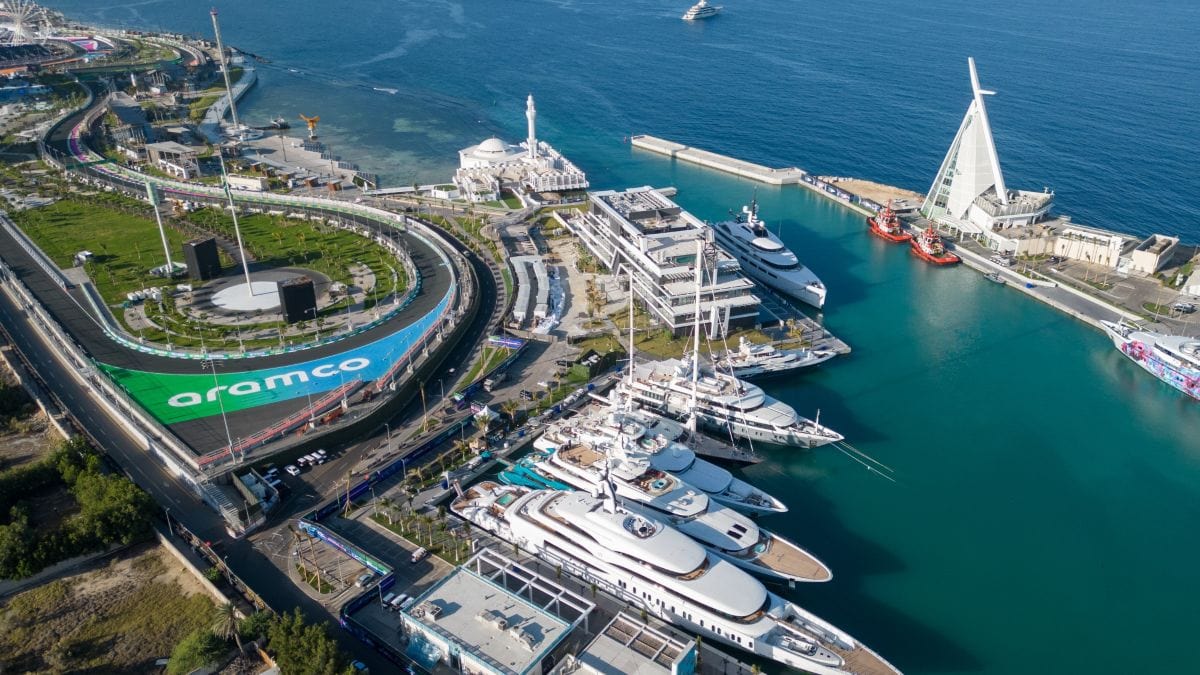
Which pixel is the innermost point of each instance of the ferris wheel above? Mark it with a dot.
(21, 21)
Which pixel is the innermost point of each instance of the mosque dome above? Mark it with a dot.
(492, 147)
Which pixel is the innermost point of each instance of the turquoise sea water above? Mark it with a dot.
(1043, 514)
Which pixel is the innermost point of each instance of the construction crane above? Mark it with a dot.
(312, 125)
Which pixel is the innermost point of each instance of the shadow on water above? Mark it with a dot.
(897, 636)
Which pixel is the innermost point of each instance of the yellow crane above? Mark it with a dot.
(312, 125)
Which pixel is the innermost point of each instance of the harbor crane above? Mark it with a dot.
(312, 125)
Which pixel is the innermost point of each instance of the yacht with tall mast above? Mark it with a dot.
(684, 388)
(764, 257)
(645, 561)
(723, 403)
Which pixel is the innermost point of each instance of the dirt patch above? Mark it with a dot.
(877, 192)
(49, 509)
(116, 619)
(17, 449)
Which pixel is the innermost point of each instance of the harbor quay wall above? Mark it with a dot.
(758, 172)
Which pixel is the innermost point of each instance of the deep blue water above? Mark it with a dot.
(1043, 518)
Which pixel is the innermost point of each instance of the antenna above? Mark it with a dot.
(236, 229)
(696, 336)
(237, 126)
(152, 193)
(631, 346)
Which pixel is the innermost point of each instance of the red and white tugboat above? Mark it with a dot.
(887, 225)
(928, 247)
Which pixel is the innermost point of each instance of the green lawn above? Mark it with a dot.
(126, 246)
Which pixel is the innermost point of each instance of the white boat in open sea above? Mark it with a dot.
(701, 10)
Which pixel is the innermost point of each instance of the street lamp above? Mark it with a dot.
(316, 326)
(387, 428)
(209, 364)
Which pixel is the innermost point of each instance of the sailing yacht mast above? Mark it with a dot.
(696, 336)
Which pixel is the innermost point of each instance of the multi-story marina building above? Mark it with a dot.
(643, 232)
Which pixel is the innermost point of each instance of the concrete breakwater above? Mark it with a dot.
(758, 172)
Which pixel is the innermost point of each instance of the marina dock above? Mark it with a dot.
(737, 167)
(763, 174)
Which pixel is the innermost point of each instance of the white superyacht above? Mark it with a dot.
(729, 534)
(646, 562)
(751, 360)
(722, 402)
(701, 10)
(663, 442)
(765, 259)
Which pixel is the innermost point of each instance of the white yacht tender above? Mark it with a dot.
(663, 443)
(646, 562)
(701, 10)
(722, 402)
(751, 360)
(765, 259)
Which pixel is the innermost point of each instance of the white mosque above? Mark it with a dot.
(528, 169)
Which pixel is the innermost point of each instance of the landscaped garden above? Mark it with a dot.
(125, 242)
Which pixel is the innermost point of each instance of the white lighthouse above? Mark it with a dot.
(531, 117)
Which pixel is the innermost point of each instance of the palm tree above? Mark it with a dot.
(225, 624)
(388, 505)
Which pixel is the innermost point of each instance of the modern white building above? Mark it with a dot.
(629, 646)
(969, 194)
(644, 231)
(529, 168)
(493, 616)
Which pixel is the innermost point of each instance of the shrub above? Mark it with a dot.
(200, 648)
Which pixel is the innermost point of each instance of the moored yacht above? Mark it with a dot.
(701, 10)
(721, 402)
(644, 561)
(666, 445)
(765, 259)
(729, 534)
(751, 360)
(1171, 358)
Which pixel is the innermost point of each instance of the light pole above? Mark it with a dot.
(210, 364)
(316, 326)
(388, 429)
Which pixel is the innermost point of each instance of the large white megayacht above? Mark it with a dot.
(593, 458)
(646, 562)
(765, 258)
(664, 444)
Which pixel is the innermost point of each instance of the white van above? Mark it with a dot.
(419, 554)
(387, 599)
(406, 604)
(398, 600)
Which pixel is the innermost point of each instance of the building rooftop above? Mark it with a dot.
(173, 148)
(630, 646)
(499, 612)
